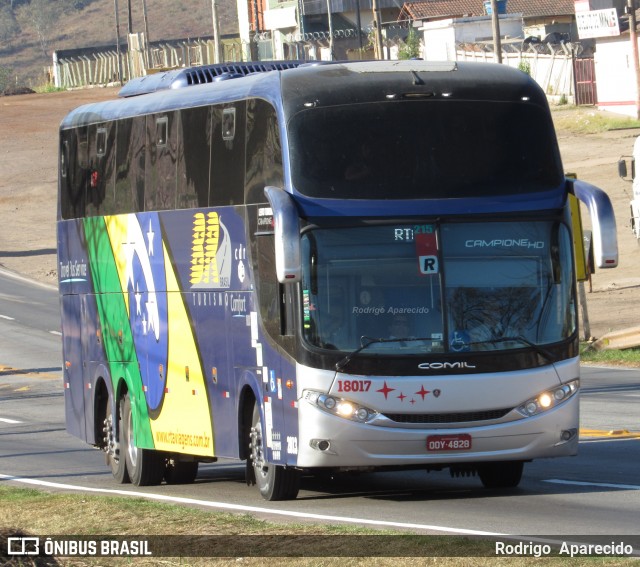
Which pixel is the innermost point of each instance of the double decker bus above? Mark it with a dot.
(332, 267)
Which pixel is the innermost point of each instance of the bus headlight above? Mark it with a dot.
(339, 406)
(549, 399)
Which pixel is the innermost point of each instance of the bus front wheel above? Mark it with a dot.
(145, 466)
(274, 481)
(502, 474)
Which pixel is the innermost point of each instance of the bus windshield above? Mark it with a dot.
(421, 149)
(410, 289)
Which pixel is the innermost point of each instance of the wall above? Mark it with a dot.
(440, 37)
(552, 71)
(439, 44)
(615, 77)
(471, 39)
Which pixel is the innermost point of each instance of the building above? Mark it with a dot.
(287, 29)
(541, 19)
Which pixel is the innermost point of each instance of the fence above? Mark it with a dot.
(107, 66)
(550, 65)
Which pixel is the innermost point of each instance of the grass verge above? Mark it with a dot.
(629, 357)
(589, 120)
(33, 512)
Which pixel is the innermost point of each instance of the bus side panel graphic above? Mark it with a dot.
(114, 322)
(209, 253)
(146, 322)
(185, 423)
(136, 241)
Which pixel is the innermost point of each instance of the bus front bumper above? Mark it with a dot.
(327, 440)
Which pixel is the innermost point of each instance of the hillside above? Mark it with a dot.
(31, 30)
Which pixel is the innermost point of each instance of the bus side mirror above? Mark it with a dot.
(603, 223)
(287, 235)
(623, 170)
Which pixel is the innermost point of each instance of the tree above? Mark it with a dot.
(411, 47)
(5, 78)
(9, 27)
(41, 16)
(12, 3)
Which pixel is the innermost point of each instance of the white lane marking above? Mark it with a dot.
(609, 439)
(594, 484)
(58, 333)
(7, 420)
(7, 317)
(255, 509)
(14, 276)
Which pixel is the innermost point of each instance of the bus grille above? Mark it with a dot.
(461, 417)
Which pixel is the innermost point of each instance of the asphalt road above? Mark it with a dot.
(595, 493)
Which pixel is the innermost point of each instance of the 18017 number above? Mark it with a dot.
(354, 385)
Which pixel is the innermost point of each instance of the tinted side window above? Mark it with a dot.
(72, 190)
(161, 161)
(130, 157)
(268, 288)
(100, 186)
(194, 157)
(276, 301)
(264, 153)
(228, 154)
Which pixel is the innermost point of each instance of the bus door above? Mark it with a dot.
(91, 356)
(73, 280)
(252, 364)
(73, 366)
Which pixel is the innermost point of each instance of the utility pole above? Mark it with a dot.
(217, 58)
(495, 25)
(359, 26)
(301, 18)
(255, 52)
(130, 18)
(633, 37)
(115, 3)
(146, 33)
(329, 9)
(377, 29)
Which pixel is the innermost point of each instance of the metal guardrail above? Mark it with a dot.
(619, 340)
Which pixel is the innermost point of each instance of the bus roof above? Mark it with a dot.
(300, 85)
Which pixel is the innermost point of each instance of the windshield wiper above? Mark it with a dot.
(370, 341)
(542, 351)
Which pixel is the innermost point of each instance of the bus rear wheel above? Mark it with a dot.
(145, 466)
(274, 481)
(113, 437)
(502, 474)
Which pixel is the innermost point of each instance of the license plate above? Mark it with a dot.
(461, 442)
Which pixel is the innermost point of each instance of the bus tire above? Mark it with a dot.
(145, 466)
(501, 474)
(274, 481)
(114, 451)
(180, 472)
